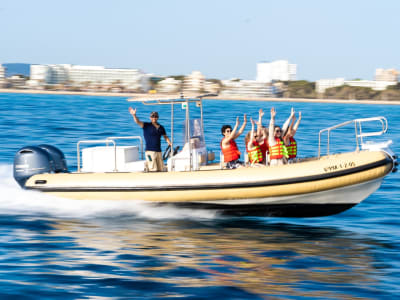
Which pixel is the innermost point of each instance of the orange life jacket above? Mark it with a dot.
(292, 148)
(278, 151)
(230, 153)
(255, 154)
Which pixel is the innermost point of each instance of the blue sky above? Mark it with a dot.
(222, 39)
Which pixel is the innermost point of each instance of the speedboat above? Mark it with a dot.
(316, 186)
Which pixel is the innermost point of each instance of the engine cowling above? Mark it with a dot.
(32, 160)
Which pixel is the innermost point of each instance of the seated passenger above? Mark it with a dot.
(262, 137)
(290, 142)
(228, 145)
(277, 150)
(252, 146)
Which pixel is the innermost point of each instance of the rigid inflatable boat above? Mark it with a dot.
(316, 186)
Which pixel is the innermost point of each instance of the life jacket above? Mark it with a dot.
(230, 153)
(278, 151)
(264, 148)
(292, 148)
(255, 154)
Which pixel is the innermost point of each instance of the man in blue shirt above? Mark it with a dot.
(152, 132)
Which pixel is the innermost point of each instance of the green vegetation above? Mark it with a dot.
(306, 89)
(350, 92)
(300, 89)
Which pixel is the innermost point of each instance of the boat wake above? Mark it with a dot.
(16, 201)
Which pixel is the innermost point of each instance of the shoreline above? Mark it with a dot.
(163, 95)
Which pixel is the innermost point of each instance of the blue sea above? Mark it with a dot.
(54, 248)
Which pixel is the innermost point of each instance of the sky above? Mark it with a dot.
(222, 39)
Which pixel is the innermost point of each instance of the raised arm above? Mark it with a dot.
(259, 124)
(289, 133)
(297, 124)
(251, 140)
(287, 122)
(271, 134)
(135, 118)
(241, 128)
(226, 140)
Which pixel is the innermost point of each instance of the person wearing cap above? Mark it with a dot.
(152, 132)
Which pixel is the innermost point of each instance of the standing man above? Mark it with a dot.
(152, 132)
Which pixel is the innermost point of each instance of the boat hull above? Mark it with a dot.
(316, 187)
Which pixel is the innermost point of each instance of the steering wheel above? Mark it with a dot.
(175, 150)
(166, 152)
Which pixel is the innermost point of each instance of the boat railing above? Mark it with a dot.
(133, 137)
(106, 141)
(359, 134)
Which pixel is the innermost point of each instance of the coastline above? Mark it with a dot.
(163, 95)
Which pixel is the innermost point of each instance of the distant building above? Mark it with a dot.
(2, 76)
(279, 70)
(194, 82)
(247, 88)
(131, 79)
(169, 85)
(323, 84)
(2, 72)
(386, 75)
(17, 81)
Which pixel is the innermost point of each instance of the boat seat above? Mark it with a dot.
(103, 159)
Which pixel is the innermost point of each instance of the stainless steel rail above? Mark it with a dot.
(359, 135)
(96, 142)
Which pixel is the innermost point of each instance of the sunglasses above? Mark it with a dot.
(228, 130)
(278, 130)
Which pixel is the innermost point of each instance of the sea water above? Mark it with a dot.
(52, 248)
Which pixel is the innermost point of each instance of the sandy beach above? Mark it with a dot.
(163, 95)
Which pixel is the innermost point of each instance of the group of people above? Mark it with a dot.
(269, 146)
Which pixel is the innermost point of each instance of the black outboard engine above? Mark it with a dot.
(60, 164)
(32, 160)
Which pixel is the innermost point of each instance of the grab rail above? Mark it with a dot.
(359, 135)
(133, 137)
(96, 142)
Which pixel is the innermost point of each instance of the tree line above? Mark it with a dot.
(306, 89)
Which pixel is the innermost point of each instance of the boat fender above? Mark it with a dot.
(60, 164)
(29, 161)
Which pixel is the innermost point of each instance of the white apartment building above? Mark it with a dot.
(2, 76)
(247, 88)
(169, 85)
(279, 70)
(2, 72)
(89, 75)
(194, 82)
(386, 75)
(323, 84)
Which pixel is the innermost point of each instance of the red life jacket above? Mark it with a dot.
(230, 153)
(292, 148)
(278, 151)
(264, 148)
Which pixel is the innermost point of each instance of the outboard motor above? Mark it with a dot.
(60, 164)
(29, 161)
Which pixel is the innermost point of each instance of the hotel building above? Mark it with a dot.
(279, 70)
(75, 75)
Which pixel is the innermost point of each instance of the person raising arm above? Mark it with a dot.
(152, 132)
(228, 145)
(277, 149)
